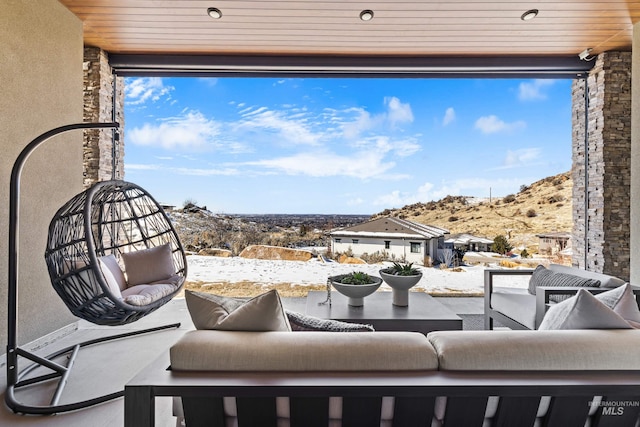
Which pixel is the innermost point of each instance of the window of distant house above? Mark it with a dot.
(338, 240)
(387, 244)
(415, 247)
(355, 241)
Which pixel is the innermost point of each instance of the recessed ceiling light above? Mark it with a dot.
(214, 13)
(366, 15)
(529, 14)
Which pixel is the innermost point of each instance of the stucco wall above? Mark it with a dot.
(398, 249)
(41, 87)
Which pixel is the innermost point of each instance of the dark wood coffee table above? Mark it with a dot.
(424, 313)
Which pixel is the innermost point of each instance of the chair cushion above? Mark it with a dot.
(605, 280)
(262, 313)
(605, 349)
(582, 311)
(515, 303)
(542, 276)
(146, 294)
(302, 322)
(303, 351)
(148, 265)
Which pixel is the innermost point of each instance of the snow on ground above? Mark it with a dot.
(470, 280)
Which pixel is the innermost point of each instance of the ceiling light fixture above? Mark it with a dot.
(366, 15)
(214, 13)
(529, 14)
(585, 55)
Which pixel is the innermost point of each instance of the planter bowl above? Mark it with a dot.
(400, 286)
(355, 293)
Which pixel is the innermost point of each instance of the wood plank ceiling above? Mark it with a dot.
(312, 27)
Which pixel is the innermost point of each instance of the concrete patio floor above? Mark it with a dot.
(105, 368)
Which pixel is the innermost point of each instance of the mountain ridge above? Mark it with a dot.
(544, 206)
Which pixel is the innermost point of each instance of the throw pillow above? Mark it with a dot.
(112, 271)
(623, 301)
(148, 265)
(544, 277)
(302, 322)
(582, 311)
(262, 313)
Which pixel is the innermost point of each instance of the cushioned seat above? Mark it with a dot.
(516, 303)
(562, 350)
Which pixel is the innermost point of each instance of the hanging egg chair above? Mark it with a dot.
(113, 255)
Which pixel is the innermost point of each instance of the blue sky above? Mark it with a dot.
(349, 146)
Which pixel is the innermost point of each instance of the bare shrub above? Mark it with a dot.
(509, 198)
(531, 213)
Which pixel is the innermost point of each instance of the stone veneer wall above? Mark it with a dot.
(98, 102)
(609, 167)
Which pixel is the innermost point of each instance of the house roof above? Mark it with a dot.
(392, 228)
(253, 35)
(555, 235)
(465, 239)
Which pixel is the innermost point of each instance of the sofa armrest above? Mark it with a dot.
(489, 273)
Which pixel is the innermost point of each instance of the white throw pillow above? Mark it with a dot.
(113, 273)
(262, 313)
(583, 311)
(622, 301)
(149, 265)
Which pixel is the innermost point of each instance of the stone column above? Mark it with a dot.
(607, 185)
(98, 154)
(635, 159)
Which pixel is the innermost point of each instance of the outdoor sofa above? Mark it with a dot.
(447, 378)
(520, 308)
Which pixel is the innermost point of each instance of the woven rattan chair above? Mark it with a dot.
(90, 240)
(111, 218)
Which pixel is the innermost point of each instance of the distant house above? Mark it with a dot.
(399, 238)
(553, 243)
(467, 242)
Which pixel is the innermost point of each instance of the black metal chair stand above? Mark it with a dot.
(110, 218)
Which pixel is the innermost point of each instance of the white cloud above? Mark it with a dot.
(492, 124)
(209, 81)
(361, 164)
(292, 127)
(449, 116)
(397, 112)
(385, 144)
(190, 131)
(534, 90)
(522, 157)
(140, 90)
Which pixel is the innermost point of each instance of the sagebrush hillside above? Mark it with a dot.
(542, 207)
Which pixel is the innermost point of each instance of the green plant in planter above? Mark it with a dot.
(356, 278)
(402, 269)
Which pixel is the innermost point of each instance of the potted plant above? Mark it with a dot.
(401, 277)
(355, 286)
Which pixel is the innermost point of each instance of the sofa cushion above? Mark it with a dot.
(605, 349)
(515, 303)
(304, 351)
(302, 322)
(582, 311)
(542, 276)
(262, 313)
(605, 280)
(148, 265)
